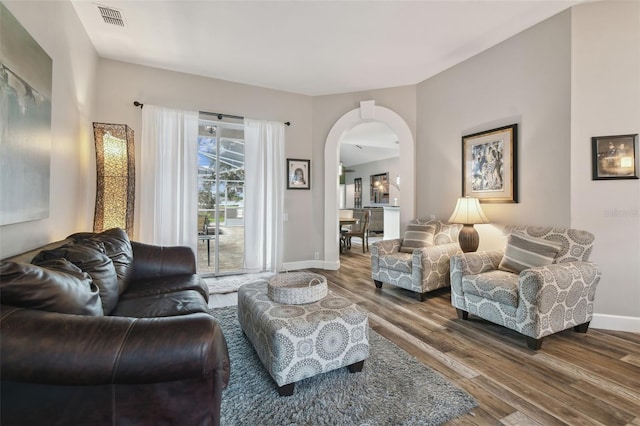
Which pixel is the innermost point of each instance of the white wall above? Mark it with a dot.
(566, 79)
(327, 110)
(122, 83)
(606, 101)
(524, 80)
(72, 155)
(571, 77)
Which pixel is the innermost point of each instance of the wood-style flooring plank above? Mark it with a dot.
(582, 379)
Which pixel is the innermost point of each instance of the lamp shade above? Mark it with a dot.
(468, 212)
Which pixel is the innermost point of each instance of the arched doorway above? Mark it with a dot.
(367, 112)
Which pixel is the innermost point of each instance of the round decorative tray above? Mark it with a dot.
(297, 288)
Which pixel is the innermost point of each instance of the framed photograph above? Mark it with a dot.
(298, 174)
(489, 165)
(615, 157)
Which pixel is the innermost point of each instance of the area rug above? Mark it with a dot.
(231, 283)
(393, 389)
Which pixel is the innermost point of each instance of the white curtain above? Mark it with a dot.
(168, 201)
(264, 195)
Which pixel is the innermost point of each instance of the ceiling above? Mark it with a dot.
(309, 47)
(312, 47)
(368, 142)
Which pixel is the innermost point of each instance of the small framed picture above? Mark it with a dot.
(489, 165)
(615, 157)
(298, 174)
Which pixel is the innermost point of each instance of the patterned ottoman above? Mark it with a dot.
(299, 341)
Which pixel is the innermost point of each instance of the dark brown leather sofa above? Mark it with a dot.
(77, 349)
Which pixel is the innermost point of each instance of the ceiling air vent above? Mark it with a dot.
(111, 16)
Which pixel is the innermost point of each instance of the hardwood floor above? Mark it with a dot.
(576, 379)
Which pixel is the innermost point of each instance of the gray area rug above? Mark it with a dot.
(231, 283)
(393, 389)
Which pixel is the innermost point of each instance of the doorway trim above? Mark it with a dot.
(367, 112)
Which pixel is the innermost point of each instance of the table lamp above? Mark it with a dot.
(468, 213)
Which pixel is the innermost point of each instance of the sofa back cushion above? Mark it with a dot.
(56, 286)
(524, 251)
(117, 247)
(89, 256)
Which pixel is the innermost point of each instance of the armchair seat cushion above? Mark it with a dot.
(400, 262)
(498, 286)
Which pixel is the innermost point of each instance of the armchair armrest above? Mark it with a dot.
(425, 257)
(469, 264)
(555, 297)
(383, 248)
(475, 263)
(67, 349)
(431, 265)
(154, 261)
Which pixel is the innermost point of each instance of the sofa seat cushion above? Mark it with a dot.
(162, 305)
(400, 262)
(166, 284)
(499, 286)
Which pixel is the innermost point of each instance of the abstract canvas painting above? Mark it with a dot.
(25, 123)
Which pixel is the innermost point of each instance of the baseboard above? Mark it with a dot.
(311, 264)
(615, 322)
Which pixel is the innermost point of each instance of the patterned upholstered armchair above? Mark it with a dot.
(418, 262)
(505, 287)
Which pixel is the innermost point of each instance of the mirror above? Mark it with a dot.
(380, 188)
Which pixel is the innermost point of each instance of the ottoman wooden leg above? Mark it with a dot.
(286, 390)
(356, 367)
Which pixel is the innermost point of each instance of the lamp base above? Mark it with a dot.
(468, 238)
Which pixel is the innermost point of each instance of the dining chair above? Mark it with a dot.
(360, 230)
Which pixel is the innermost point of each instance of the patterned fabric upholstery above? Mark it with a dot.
(423, 270)
(299, 341)
(537, 302)
(417, 235)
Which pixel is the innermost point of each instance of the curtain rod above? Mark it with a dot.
(217, 114)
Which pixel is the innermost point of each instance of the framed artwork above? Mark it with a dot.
(615, 157)
(298, 174)
(489, 165)
(26, 72)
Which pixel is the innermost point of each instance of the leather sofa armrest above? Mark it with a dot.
(154, 261)
(67, 349)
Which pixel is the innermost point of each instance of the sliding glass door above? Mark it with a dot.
(221, 192)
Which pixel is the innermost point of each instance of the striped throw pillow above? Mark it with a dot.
(417, 236)
(523, 252)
